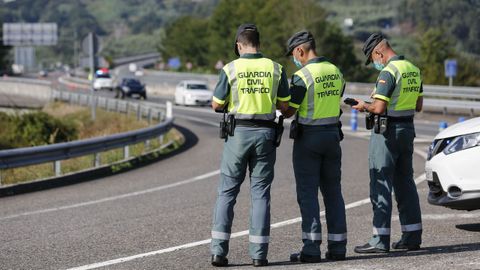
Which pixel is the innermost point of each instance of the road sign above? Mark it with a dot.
(450, 68)
(174, 63)
(29, 34)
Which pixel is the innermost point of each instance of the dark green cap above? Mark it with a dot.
(372, 41)
(298, 39)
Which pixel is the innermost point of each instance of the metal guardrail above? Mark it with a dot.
(438, 91)
(20, 157)
(443, 105)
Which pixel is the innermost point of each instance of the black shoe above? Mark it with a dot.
(218, 260)
(304, 258)
(334, 256)
(401, 245)
(367, 248)
(259, 262)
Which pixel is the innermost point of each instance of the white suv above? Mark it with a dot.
(453, 167)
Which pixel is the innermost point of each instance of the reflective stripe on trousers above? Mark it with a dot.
(259, 239)
(381, 231)
(337, 237)
(312, 236)
(220, 235)
(412, 227)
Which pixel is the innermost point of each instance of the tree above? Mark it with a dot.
(458, 19)
(277, 20)
(187, 38)
(435, 48)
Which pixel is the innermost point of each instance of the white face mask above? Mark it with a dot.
(378, 65)
(297, 63)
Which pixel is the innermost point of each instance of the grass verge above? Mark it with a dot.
(114, 159)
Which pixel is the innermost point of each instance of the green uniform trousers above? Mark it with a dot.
(390, 162)
(252, 147)
(317, 159)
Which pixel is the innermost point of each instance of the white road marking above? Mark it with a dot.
(117, 197)
(207, 241)
(446, 216)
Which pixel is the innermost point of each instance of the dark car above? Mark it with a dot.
(129, 87)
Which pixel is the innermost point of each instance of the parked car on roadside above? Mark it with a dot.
(129, 87)
(190, 92)
(453, 167)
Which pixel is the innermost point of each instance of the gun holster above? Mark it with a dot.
(227, 126)
(376, 122)
(279, 131)
(380, 124)
(295, 129)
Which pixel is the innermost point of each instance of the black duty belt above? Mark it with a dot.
(408, 119)
(255, 123)
(319, 126)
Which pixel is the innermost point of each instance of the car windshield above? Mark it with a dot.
(197, 87)
(132, 82)
(105, 75)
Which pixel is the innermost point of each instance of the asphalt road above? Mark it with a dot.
(159, 216)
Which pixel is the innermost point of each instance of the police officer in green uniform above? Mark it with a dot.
(316, 90)
(252, 87)
(398, 94)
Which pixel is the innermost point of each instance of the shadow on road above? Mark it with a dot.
(473, 227)
(447, 249)
(190, 140)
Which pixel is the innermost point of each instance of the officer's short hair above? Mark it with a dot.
(309, 46)
(249, 37)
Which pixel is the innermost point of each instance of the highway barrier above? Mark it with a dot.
(55, 153)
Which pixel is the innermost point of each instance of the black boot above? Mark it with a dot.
(367, 248)
(305, 258)
(259, 262)
(402, 246)
(218, 260)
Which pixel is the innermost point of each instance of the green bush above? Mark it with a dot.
(33, 129)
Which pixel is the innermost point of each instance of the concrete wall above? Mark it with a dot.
(24, 93)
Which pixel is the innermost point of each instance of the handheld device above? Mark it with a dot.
(350, 101)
